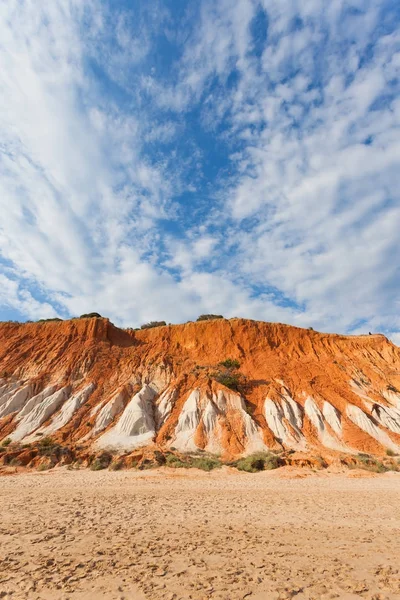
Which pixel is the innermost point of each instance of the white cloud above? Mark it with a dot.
(325, 235)
(395, 337)
(75, 186)
(12, 297)
(300, 223)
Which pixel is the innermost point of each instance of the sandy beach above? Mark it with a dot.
(177, 534)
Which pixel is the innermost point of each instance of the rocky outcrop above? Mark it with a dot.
(99, 387)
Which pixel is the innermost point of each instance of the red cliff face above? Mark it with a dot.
(87, 381)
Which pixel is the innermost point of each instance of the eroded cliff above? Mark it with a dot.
(87, 382)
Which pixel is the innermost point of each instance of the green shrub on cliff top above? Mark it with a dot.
(209, 317)
(152, 324)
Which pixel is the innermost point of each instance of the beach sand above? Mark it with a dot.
(183, 534)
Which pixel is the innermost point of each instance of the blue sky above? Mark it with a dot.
(163, 159)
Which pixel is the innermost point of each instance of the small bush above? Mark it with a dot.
(48, 320)
(378, 467)
(390, 452)
(272, 462)
(260, 461)
(116, 465)
(44, 466)
(369, 463)
(206, 463)
(159, 457)
(250, 409)
(321, 461)
(228, 375)
(75, 466)
(147, 463)
(46, 442)
(15, 462)
(101, 462)
(47, 446)
(364, 457)
(152, 324)
(92, 315)
(176, 462)
(230, 363)
(6, 442)
(97, 465)
(209, 317)
(392, 467)
(230, 380)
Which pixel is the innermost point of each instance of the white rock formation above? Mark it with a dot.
(386, 416)
(276, 414)
(6, 387)
(293, 413)
(212, 428)
(214, 414)
(136, 425)
(233, 408)
(39, 413)
(7, 390)
(392, 397)
(159, 377)
(362, 420)
(16, 401)
(333, 418)
(96, 409)
(67, 411)
(317, 419)
(188, 422)
(108, 413)
(163, 407)
(36, 401)
(361, 390)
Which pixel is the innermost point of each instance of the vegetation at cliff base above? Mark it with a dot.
(260, 461)
(205, 463)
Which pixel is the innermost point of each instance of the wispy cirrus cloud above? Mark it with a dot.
(226, 157)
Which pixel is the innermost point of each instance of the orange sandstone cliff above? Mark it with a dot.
(86, 381)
